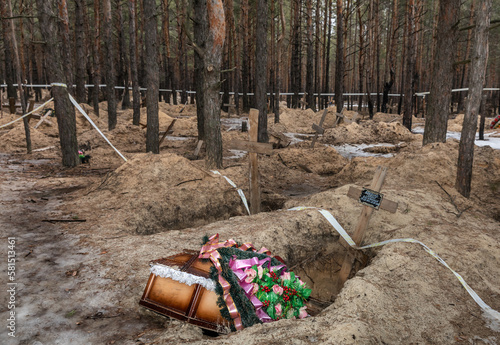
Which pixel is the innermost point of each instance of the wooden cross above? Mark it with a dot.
(371, 199)
(229, 106)
(318, 128)
(253, 147)
(44, 119)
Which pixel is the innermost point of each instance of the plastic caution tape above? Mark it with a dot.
(31, 112)
(240, 192)
(75, 103)
(492, 315)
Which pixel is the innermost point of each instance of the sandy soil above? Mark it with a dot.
(80, 282)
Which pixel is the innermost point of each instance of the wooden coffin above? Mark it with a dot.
(193, 304)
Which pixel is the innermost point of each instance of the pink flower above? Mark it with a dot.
(303, 312)
(255, 288)
(251, 274)
(286, 276)
(260, 271)
(277, 307)
(278, 290)
(301, 282)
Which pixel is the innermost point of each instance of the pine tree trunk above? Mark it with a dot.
(361, 59)
(124, 58)
(9, 54)
(436, 122)
(295, 71)
(166, 44)
(339, 65)
(391, 57)
(467, 53)
(317, 80)
(110, 64)
(80, 52)
(209, 39)
(310, 56)
(89, 49)
(279, 63)
(136, 94)
(245, 70)
(66, 45)
(328, 49)
(97, 56)
(476, 78)
(261, 69)
(17, 66)
(410, 67)
(63, 108)
(152, 76)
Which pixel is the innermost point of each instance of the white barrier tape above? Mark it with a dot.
(75, 103)
(240, 192)
(31, 112)
(492, 315)
(59, 84)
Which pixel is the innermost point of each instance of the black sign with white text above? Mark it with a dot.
(370, 198)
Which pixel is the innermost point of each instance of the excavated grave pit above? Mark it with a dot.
(320, 271)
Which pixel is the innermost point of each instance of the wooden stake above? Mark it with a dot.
(166, 132)
(319, 129)
(359, 232)
(253, 120)
(198, 148)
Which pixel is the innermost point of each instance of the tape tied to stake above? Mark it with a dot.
(59, 84)
(240, 192)
(490, 314)
(75, 103)
(27, 114)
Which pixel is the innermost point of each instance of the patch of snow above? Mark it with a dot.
(350, 151)
(297, 137)
(233, 124)
(236, 154)
(490, 139)
(171, 137)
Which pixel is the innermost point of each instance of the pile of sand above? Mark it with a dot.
(321, 160)
(187, 110)
(367, 132)
(299, 121)
(154, 193)
(14, 141)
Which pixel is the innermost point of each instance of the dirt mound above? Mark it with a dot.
(14, 141)
(367, 132)
(296, 120)
(430, 164)
(178, 110)
(322, 160)
(383, 117)
(155, 193)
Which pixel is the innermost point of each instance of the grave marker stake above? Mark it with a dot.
(372, 197)
(254, 164)
(319, 129)
(254, 148)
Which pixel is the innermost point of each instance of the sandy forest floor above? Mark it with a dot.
(80, 282)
